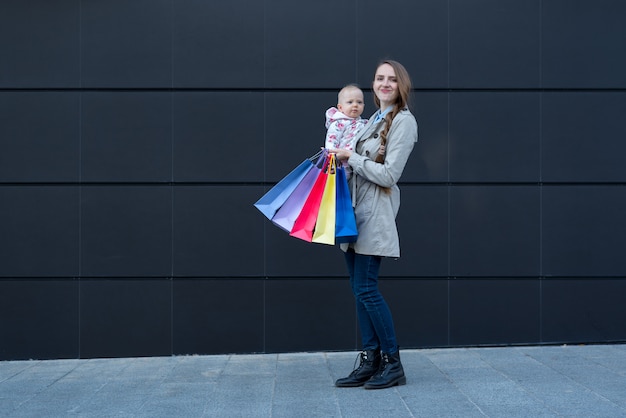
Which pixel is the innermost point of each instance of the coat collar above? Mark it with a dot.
(368, 129)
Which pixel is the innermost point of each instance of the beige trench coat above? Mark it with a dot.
(374, 209)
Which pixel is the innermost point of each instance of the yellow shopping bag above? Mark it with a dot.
(325, 226)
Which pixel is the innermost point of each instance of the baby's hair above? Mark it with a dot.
(346, 88)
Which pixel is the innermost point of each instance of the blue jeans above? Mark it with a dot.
(375, 322)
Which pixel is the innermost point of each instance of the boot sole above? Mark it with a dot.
(398, 382)
(349, 385)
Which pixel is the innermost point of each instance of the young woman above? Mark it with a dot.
(376, 200)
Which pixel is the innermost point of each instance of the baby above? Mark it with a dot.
(344, 121)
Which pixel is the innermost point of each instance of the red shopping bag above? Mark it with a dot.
(305, 222)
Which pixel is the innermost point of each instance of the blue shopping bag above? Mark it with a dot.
(286, 216)
(277, 195)
(345, 222)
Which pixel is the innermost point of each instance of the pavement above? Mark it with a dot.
(528, 381)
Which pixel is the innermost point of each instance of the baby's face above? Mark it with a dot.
(351, 103)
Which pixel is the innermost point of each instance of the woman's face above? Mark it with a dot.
(385, 85)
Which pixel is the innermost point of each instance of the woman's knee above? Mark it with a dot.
(368, 296)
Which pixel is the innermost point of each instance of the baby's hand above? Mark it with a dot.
(381, 150)
(341, 154)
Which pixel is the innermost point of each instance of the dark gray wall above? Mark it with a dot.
(135, 136)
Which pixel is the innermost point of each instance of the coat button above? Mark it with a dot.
(375, 135)
(367, 153)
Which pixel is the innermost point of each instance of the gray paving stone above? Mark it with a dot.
(541, 381)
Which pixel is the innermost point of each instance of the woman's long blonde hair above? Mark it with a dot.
(402, 100)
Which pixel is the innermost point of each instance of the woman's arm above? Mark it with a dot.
(400, 141)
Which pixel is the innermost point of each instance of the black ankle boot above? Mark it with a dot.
(390, 373)
(369, 364)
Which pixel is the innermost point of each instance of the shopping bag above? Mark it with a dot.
(324, 232)
(305, 222)
(285, 217)
(345, 222)
(271, 201)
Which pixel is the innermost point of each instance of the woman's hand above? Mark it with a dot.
(341, 154)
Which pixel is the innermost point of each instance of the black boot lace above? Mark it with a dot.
(360, 358)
